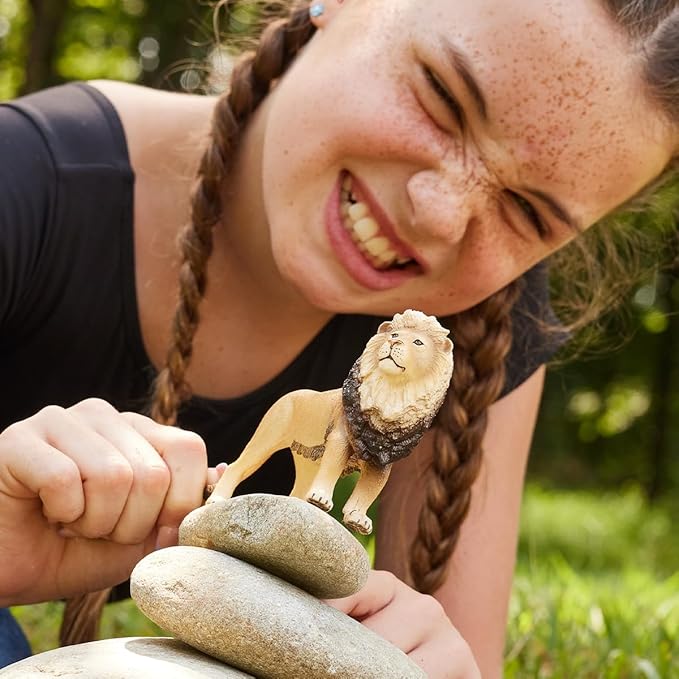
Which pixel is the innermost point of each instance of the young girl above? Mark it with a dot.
(369, 156)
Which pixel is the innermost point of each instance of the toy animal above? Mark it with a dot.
(385, 405)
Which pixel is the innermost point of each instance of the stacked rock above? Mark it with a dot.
(251, 599)
(243, 588)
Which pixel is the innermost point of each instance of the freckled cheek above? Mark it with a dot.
(468, 282)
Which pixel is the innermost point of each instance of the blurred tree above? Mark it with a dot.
(13, 46)
(47, 20)
(613, 418)
(155, 43)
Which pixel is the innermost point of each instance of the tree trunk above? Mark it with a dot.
(48, 16)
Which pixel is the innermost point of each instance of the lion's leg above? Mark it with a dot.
(305, 471)
(368, 487)
(332, 465)
(270, 436)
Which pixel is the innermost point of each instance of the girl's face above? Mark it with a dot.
(424, 154)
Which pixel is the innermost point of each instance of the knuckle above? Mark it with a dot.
(430, 607)
(49, 412)
(14, 432)
(389, 579)
(62, 479)
(192, 443)
(153, 479)
(94, 406)
(117, 476)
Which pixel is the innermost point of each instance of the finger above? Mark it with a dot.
(106, 476)
(33, 468)
(150, 475)
(185, 456)
(383, 604)
(388, 623)
(446, 656)
(215, 473)
(378, 592)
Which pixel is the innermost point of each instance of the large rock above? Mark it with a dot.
(255, 621)
(131, 658)
(285, 536)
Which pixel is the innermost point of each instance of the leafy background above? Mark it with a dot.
(597, 587)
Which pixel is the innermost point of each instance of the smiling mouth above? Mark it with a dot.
(375, 246)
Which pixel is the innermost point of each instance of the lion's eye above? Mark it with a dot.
(394, 334)
(418, 342)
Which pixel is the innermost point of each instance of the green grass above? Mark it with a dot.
(596, 593)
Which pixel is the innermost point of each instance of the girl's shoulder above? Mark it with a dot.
(159, 125)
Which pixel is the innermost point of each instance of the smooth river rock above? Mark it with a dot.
(285, 536)
(255, 621)
(130, 658)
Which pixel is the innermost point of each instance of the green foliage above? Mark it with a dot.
(566, 624)
(598, 532)
(146, 41)
(597, 588)
(13, 25)
(98, 41)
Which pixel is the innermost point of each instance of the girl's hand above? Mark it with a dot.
(85, 493)
(415, 623)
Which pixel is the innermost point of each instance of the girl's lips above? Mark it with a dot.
(350, 256)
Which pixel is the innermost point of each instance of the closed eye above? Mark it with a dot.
(531, 214)
(444, 95)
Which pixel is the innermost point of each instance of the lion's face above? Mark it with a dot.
(406, 369)
(406, 354)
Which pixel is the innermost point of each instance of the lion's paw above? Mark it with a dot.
(358, 522)
(320, 500)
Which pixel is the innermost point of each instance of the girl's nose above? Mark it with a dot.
(445, 201)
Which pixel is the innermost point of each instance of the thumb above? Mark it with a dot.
(379, 591)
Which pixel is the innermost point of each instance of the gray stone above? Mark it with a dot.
(255, 621)
(131, 658)
(285, 536)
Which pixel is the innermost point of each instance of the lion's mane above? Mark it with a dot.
(387, 416)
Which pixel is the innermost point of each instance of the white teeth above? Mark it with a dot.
(365, 230)
(379, 246)
(384, 261)
(358, 211)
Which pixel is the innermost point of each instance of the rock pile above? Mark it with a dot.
(243, 586)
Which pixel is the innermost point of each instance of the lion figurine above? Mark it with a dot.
(385, 405)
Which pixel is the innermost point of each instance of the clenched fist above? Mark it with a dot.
(85, 493)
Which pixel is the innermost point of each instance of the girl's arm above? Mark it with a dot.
(476, 593)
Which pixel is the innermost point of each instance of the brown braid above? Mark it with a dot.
(251, 79)
(250, 83)
(482, 337)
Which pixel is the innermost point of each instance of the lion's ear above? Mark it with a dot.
(448, 344)
(384, 327)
